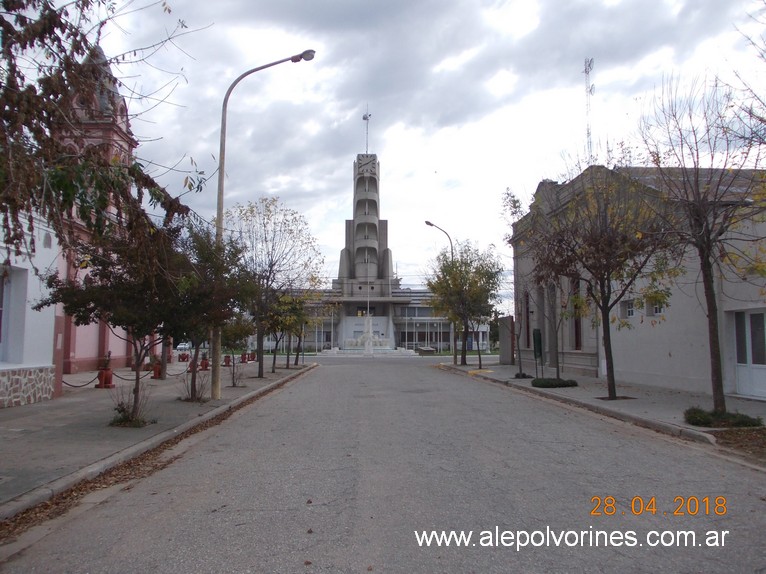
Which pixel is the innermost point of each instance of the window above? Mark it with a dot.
(627, 310)
(410, 312)
(750, 338)
(757, 339)
(2, 304)
(653, 309)
(740, 328)
(13, 304)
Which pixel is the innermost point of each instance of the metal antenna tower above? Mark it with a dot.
(589, 89)
(366, 117)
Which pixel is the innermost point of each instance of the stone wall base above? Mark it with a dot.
(25, 385)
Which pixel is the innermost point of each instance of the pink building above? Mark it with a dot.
(38, 348)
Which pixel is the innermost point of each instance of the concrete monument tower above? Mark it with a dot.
(365, 274)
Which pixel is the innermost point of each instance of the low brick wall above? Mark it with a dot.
(25, 385)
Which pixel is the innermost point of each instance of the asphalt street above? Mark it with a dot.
(342, 469)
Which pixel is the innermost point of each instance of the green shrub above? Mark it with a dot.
(742, 420)
(702, 418)
(698, 417)
(553, 383)
(123, 418)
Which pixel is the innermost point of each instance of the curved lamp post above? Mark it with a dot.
(452, 259)
(451, 249)
(215, 351)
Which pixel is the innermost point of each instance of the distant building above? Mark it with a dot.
(369, 310)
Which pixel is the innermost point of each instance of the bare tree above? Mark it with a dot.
(709, 173)
(752, 106)
(280, 256)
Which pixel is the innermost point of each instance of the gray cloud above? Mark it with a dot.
(381, 53)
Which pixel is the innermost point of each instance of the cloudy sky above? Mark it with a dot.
(467, 98)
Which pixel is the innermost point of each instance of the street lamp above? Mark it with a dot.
(452, 260)
(451, 249)
(215, 351)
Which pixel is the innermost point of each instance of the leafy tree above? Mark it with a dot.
(208, 290)
(280, 256)
(52, 75)
(465, 287)
(115, 285)
(302, 319)
(709, 173)
(234, 336)
(603, 229)
(286, 318)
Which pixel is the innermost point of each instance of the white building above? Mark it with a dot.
(38, 347)
(665, 346)
(27, 372)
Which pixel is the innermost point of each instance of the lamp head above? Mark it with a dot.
(305, 55)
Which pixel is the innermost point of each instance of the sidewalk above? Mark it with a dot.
(653, 407)
(50, 446)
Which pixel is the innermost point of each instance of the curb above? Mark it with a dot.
(659, 426)
(43, 493)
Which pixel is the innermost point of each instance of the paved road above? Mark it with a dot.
(336, 472)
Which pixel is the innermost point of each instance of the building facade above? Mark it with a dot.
(367, 309)
(103, 122)
(655, 345)
(27, 370)
(38, 348)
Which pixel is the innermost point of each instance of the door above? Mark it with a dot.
(750, 327)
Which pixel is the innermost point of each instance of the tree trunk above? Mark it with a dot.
(135, 408)
(607, 338)
(215, 372)
(464, 350)
(298, 349)
(714, 341)
(193, 384)
(554, 321)
(274, 355)
(164, 359)
(454, 343)
(478, 350)
(289, 346)
(259, 342)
